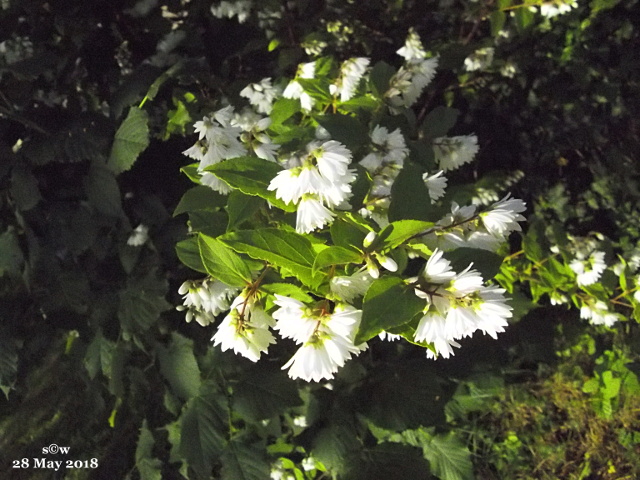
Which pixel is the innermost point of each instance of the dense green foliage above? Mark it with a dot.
(97, 102)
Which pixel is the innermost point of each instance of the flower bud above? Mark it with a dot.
(368, 240)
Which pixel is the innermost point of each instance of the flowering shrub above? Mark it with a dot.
(340, 226)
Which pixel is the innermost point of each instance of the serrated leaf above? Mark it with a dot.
(485, 262)
(99, 355)
(8, 362)
(346, 234)
(389, 461)
(11, 256)
(212, 224)
(439, 121)
(286, 289)
(289, 251)
(401, 396)
(333, 445)
(203, 426)
(131, 139)
(264, 392)
(316, 88)
(250, 175)
(222, 262)
(241, 208)
(24, 188)
(379, 78)
(396, 233)
(410, 196)
(140, 308)
(345, 129)
(449, 458)
(388, 303)
(244, 462)
(188, 252)
(336, 256)
(200, 198)
(283, 109)
(535, 242)
(179, 366)
(102, 190)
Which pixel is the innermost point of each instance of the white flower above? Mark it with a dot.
(239, 8)
(333, 158)
(598, 314)
(290, 185)
(479, 60)
(245, 330)
(453, 152)
(295, 91)
(255, 137)
(492, 311)
(466, 282)
(348, 288)
(557, 7)
(312, 214)
(412, 49)
(205, 299)
(261, 95)
(503, 216)
(438, 269)
(590, 270)
(293, 319)
(389, 337)
(351, 72)
(139, 236)
(436, 184)
(433, 328)
(329, 346)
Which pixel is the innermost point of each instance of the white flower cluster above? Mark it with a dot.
(557, 7)
(407, 84)
(320, 182)
(326, 339)
(351, 72)
(479, 60)
(458, 304)
(598, 314)
(238, 8)
(487, 230)
(205, 299)
(453, 152)
(295, 91)
(245, 329)
(226, 135)
(588, 268)
(261, 95)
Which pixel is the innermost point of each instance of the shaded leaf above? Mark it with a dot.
(131, 139)
(244, 462)
(179, 366)
(222, 262)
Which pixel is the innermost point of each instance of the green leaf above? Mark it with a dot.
(131, 139)
(381, 74)
(212, 224)
(333, 445)
(141, 303)
(289, 251)
(283, 109)
(11, 256)
(250, 175)
(178, 365)
(149, 468)
(388, 303)
(449, 458)
(200, 198)
(155, 86)
(524, 18)
(8, 362)
(223, 263)
(439, 121)
(497, 20)
(485, 262)
(188, 252)
(286, 289)
(396, 233)
(402, 395)
(98, 356)
(317, 88)
(535, 242)
(388, 461)
(244, 462)
(410, 196)
(345, 129)
(336, 256)
(345, 233)
(24, 188)
(203, 427)
(264, 392)
(241, 208)
(102, 190)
